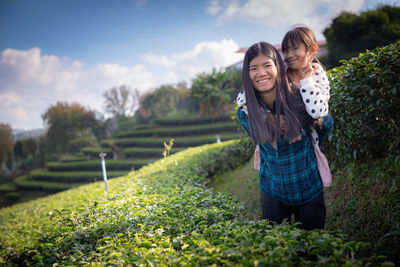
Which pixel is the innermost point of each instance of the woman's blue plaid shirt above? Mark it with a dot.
(289, 172)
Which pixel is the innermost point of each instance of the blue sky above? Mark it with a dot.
(74, 50)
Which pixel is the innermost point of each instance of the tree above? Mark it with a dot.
(121, 101)
(67, 122)
(25, 147)
(6, 145)
(350, 34)
(234, 81)
(212, 92)
(160, 102)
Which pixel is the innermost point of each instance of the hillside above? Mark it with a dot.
(132, 148)
(164, 214)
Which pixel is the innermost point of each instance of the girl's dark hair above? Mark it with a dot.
(265, 126)
(297, 35)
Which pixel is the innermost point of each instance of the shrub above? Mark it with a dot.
(180, 141)
(72, 176)
(75, 145)
(12, 196)
(7, 187)
(223, 159)
(190, 121)
(182, 130)
(24, 182)
(70, 158)
(148, 152)
(112, 165)
(95, 151)
(365, 103)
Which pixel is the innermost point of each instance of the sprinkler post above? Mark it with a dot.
(102, 155)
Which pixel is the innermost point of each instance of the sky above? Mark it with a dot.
(74, 50)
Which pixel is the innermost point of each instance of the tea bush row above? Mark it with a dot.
(190, 121)
(95, 151)
(148, 152)
(164, 214)
(131, 152)
(181, 130)
(7, 187)
(71, 158)
(365, 101)
(91, 165)
(179, 141)
(72, 176)
(24, 182)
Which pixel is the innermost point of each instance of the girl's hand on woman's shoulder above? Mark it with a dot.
(297, 138)
(318, 122)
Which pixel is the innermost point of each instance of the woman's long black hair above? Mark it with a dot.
(265, 126)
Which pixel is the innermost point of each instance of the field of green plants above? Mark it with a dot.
(165, 214)
(135, 147)
(362, 202)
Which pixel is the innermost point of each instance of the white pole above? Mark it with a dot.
(103, 166)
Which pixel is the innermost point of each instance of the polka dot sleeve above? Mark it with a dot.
(315, 92)
(241, 101)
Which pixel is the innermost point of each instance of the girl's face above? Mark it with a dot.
(263, 74)
(296, 56)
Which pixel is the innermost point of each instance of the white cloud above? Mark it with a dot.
(317, 14)
(202, 58)
(10, 98)
(160, 60)
(31, 82)
(213, 7)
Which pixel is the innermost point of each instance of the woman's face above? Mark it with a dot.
(263, 74)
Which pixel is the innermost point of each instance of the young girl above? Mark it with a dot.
(306, 74)
(275, 118)
(304, 71)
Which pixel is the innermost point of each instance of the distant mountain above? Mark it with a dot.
(24, 134)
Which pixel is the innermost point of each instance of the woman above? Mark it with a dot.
(275, 118)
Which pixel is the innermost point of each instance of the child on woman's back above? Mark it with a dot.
(305, 73)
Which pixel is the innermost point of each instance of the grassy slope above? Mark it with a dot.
(363, 201)
(241, 182)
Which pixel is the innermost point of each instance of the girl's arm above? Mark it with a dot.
(315, 93)
(327, 125)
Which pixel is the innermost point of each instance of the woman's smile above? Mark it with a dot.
(263, 74)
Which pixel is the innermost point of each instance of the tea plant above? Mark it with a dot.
(365, 102)
(171, 218)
